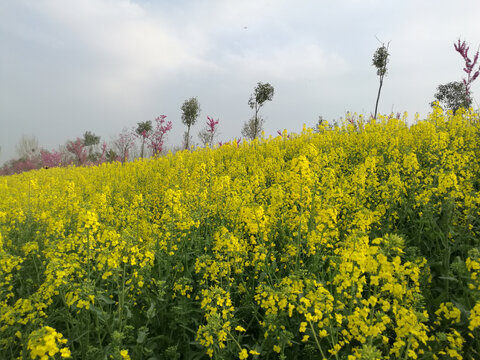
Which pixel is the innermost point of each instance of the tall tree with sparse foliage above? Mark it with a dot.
(90, 141)
(380, 60)
(262, 93)
(143, 131)
(190, 112)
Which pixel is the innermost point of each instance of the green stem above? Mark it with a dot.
(316, 339)
(408, 348)
(88, 254)
(121, 299)
(334, 341)
(234, 340)
(297, 257)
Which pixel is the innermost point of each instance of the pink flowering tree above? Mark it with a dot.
(51, 158)
(18, 166)
(77, 149)
(462, 49)
(208, 134)
(158, 134)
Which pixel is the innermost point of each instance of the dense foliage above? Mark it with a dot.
(354, 242)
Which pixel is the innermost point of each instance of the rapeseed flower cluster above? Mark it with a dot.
(44, 344)
(349, 242)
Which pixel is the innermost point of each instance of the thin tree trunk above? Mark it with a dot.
(187, 140)
(378, 97)
(256, 121)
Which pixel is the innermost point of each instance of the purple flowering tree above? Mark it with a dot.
(462, 49)
(208, 134)
(158, 135)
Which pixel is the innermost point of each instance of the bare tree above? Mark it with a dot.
(123, 143)
(27, 147)
(253, 128)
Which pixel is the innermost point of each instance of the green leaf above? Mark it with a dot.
(104, 299)
(142, 335)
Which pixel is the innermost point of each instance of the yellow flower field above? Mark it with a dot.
(353, 242)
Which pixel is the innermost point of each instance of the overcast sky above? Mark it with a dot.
(68, 66)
